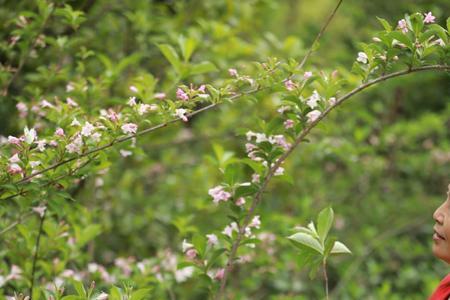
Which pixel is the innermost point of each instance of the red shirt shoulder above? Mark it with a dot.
(442, 291)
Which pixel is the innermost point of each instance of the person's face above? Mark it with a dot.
(441, 236)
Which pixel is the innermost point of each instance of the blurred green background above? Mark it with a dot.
(382, 160)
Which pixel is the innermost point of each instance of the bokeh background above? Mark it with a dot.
(382, 160)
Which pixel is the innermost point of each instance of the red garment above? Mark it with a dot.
(442, 292)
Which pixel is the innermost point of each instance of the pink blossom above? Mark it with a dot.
(13, 140)
(307, 75)
(212, 239)
(290, 85)
(125, 153)
(240, 201)
(14, 159)
(40, 210)
(59, 132)
(70, 102)
(133, 89)
(233, 72)
(102, 296)
(132, 101)
(75, 122)
(282, 109)
(96, 137)
(279, 140)
(181, 95)
(255, 222)
(312, 101)
(185, 246)
(279, 171)
(69, 87)
(219, 194)
(313, 116)
(112, 115)
(160, 96)
(255, 178)
(289, 124)
(219, 274)
(22, 108)
(76, 145)
(87, 129)
(35, 163)
(250, 147)
(191, 253)
(14, 169)
(332, 101)
(53, 143)
(230, 228)
(41, 145)
(402, 25)
(129, 128)
(144, 108)
(202, 88)
(15, 273)
(181, 113)
(362, 57)
(45, 104)
(429, 18)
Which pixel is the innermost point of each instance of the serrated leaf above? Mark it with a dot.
(307, 240)
(340, 248)
(324, 222)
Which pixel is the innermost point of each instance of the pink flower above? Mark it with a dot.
(13, 140)
(282, 109)
(191, 253)
(202, 88)
(87, 129)
(402, 25)
(313, 116)
(129, 128)
(75, 122)
(145, 108)
(35, 163)
(14, 169)
(429, 18)
(290, 85)
(255, 178)
(307, 75)
(132, 101)
(160, 96)
(59, 132)
(219, 274)
(240, 201)
(181, 113)
(14, 159)
(112, 115)
(219, 194)
(76, 145)
(70, 102)
(133, 89)
(45, 104)
(69, 87)
(181, 95)
(250, 147)
(255, 222)
(40, 210)
(30, 135)
(288, 124)
(332, 101)
(41, 145)
(279, 171)
(125, 153)
(212, 239)
(22, 108)
(230, 228)
(233, 72)
(362, 57)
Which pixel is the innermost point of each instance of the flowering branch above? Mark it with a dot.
(258, 196)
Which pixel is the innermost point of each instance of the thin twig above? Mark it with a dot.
(36, 253)
(20, 219)
(325, 277)
(258, 196)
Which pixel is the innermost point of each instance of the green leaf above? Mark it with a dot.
(324, 222)
(72, 297)
(307, 240)
(79, 288)
(201, 68)
(402, 38)
(187, 47)
(439, 31)
(114, 293)
(140, 294)
(448, 24)
(340, 248)
(385, 24)
(171, 55)
(87, 234)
